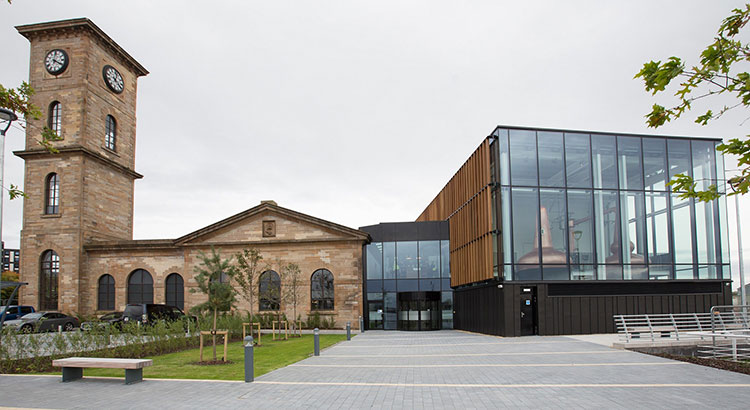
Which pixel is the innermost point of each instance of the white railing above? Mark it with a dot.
(682, 326)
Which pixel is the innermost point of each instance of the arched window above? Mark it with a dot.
(175, 291)
(110, 133)
(140, 287)
(48, 274)
(106, 293)
(321, 290)
(54, 121)
(52, 194)
(270, 290)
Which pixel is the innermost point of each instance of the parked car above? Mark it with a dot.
(15, 311)
(43, 321)
(104, 321)
(149, 313)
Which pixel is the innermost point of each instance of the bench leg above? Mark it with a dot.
(71, 373)
(133, 376)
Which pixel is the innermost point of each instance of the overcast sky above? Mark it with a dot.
(359, 112)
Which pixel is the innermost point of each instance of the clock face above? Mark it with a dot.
(113, 79)
(56, 61)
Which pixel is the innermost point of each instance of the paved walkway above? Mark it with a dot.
(446, 369)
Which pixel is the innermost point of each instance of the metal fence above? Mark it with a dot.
(683, 326)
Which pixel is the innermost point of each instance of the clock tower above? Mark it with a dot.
(85, 85)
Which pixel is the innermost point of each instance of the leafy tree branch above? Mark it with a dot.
(718, 72)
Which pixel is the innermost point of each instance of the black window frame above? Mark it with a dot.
(54, 119)
(106, 293)
(322, 295)
(141, 294)
(49, 280)
(174, 290)
(269, 299)
(110, 133)
(52, 194)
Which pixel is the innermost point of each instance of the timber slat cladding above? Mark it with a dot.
(466, 202)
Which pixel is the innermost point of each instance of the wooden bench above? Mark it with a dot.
(72, 367)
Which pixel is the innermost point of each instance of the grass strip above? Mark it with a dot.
(184, 365)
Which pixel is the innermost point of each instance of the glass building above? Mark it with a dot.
(555, 231)
(587, 206)
(407, 277)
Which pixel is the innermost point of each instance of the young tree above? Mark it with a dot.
(212, 279)
(249, 267)
(720, 71)
(292, 290)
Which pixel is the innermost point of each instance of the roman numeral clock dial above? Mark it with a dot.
(113, 79)
(56, 61)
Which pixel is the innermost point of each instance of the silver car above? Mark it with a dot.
(42, 322)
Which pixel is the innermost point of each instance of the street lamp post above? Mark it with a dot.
(6, 117)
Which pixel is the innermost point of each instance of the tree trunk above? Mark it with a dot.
(214, 333)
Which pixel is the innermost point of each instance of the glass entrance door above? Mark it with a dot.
(419, 311)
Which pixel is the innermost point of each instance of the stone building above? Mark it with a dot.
(77, 247)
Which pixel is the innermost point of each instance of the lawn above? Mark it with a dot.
(270, 356)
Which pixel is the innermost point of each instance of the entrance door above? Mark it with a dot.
(528, 311)
(419, 311)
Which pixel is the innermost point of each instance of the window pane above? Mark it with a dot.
(683, 272)
(679, 157)
(429, 259)
(553, 227)
(655, 163)
(604, 158)
(374, 260)
(634, 272)
(445, 259)
(707, 271)
(503, 157)
(582, 272)
(607, 219)
(724, 227)
(609, 272)
(389, 260)
(578, 160)
(660, 272)
(682, 227)
(525, 226)
(390, 311)
(629, 154)
(704, 164)
(506, 226)
(447, 309)
(406, 266)
(705, 224)
(633, 227)
(523, 157)
(581, 227)
(551, 168)
(657, 228)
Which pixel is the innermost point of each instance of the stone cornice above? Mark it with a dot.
(83, 150)
(31, 30)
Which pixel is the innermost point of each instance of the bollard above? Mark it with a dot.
(316, 343)
(59, 328)
(361, 325)
(348, 331)
(248, 359)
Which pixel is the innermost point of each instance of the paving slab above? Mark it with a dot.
(444, 369)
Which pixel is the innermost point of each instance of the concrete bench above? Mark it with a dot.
(72, 367)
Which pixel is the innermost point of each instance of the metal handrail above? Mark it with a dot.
(681, 326)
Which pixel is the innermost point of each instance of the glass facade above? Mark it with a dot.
(579, 206)
(408, 285)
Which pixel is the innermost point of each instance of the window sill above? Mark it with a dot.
(110, 151)
(57, 215)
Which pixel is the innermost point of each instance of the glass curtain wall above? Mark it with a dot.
(406, 266)
(578, 206)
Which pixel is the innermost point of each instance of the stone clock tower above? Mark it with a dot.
(86, 87)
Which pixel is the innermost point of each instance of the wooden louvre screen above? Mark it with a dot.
(466, 202)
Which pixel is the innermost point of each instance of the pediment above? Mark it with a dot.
(271, 223)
